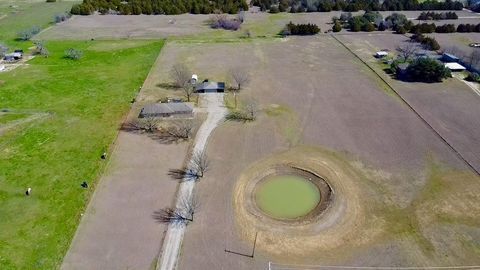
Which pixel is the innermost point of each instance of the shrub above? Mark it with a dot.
(27, 34)
(337, 27)
(51, 1)
(58, 18)
(401, 30)
(446, 28)
(274, 9)
(73, 54)
(427, 70)
(220, 21)
(473, 77)
(369, 27)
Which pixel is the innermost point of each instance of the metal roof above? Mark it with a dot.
(210, 86)
(454, 66)
(167, 108)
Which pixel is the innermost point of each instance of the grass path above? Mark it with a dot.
(86, 100)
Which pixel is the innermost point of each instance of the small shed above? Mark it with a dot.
(180, 109)
(450, 58)
(194, 79)
(210, 87)
(455, 67)
(381, 54)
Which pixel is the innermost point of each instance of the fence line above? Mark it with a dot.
(274, 266)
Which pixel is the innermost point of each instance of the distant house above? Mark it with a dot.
(180, 109)
(455, 67)
(449, 58)
(210, 87)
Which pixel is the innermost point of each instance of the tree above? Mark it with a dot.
(473, 59)
(40, 49)
(180, 74)
(240, 77)
(3, 50)
(199, 163)
(188, 90)
(181, 129)
(427, 70)
(407, 51)
(147, 124)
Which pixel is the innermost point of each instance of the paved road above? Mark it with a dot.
(212, 103)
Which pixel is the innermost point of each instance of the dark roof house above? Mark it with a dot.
(210, 87)
(167, 109)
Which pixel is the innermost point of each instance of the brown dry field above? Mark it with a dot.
(195, 26)
(418, 201)
(450, 107)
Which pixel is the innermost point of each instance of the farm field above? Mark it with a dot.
(196, 26)
(81, 104)
(451, 107)
(353, 121)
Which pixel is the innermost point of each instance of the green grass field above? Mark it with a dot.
(287, 196)
(86, 101)
(26, 15)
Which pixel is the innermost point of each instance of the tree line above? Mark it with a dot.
(295, 6)
(148, 7)
(424, 16)
(373, 21)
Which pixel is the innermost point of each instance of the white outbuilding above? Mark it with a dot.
(194, 79)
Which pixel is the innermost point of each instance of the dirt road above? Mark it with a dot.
(213, 105)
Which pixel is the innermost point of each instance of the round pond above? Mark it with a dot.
(286, 196)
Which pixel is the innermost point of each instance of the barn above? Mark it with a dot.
(179, 109)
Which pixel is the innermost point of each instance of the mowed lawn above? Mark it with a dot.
(85, 101)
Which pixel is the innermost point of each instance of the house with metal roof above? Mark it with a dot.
(178, 109)
(210, 87)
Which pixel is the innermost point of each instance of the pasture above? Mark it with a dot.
(405, 173)
(83, 103)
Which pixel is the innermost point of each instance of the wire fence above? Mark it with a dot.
(277, 266)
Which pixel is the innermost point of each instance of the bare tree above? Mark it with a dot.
(147, 124)
(199, 163)
(183, 213)
(189, 205)
(3, 50)
(407, 51)
(180, 129)
(240, 77)
(473, 58)
(188, 90)
(180, 74)
(251, 109)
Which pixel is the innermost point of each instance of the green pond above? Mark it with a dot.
(287, 196)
